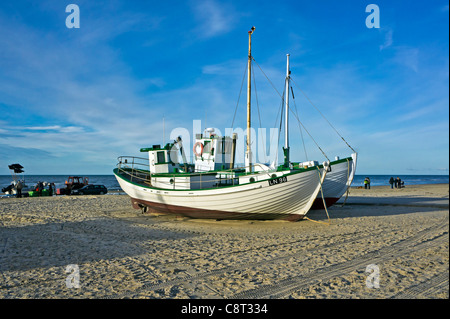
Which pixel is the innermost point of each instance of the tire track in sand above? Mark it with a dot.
(291, 283)
(426, 289)
(414, 243)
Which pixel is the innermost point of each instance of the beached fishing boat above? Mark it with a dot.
(212, 187)
(340, 171)
(337, 182)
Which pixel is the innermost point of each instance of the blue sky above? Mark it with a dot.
(73, 100)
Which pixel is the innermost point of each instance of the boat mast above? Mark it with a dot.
(286, 126)
(248, 158)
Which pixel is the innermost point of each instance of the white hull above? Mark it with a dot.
(290, 199)
(337, 181)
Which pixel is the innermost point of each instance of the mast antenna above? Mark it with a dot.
(248, 157)
(286, 126)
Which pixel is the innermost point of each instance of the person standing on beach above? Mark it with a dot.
(40, 187)
(391, 181)
(19, 187)
(399, 182)
(366, 182)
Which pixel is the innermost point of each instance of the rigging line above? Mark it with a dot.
(259, 114)
(281, 123)
(324, 204)
(239, 97)
(301, 132)
(348, 187)
(322, 115)
(282, 96)
(280, 109)
(321, 190)
(256, 97)
(309, 134)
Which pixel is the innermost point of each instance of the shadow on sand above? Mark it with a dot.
(63, 243)
(374, 206)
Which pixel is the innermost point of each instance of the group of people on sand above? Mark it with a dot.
(40, 186)
(396, 182)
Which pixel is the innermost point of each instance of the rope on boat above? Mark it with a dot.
(301, 132)
(324, 204)
(282, 97)
(316, 221)
(268, 79)
(239, 97)
(323, 153)
(323, 115)
(259, 113)
(348, 187)
(321, 192)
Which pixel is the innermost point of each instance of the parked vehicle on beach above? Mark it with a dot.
(72, 183)
(90, 190)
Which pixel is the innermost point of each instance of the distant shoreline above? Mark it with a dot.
(121, 192)
(405, 186)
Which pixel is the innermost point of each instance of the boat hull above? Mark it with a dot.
(290, 199)
(190, 212)
(337, 181)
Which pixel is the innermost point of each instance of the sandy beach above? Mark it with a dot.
(383, 243)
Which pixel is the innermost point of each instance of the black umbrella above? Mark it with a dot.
(17, 168)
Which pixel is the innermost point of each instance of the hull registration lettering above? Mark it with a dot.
(278, 180)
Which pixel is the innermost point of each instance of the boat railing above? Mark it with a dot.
(135, 168)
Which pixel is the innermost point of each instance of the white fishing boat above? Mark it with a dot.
(340, 171)
(337, 182)
(212, 187)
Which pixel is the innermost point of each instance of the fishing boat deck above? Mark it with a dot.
(135, 170)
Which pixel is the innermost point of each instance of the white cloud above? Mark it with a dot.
(214, 17)
(75, 100)
(388, 39)
(408, 57)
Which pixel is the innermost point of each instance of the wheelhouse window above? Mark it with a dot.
(161, 158)
(207, 147)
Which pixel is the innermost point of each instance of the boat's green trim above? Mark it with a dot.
(240, 172)
(168, 146)
(294, 172)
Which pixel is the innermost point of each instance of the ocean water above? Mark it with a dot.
(111, 183)
(380, 180)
